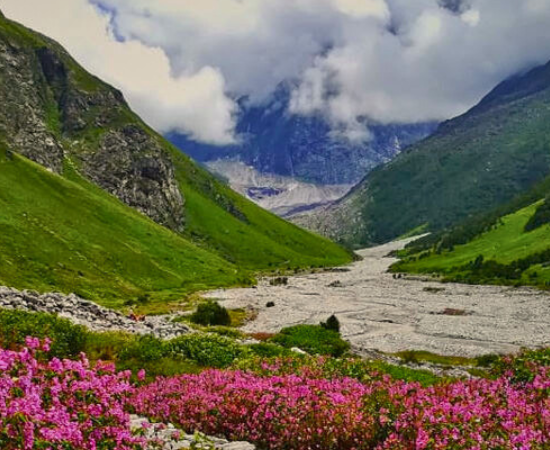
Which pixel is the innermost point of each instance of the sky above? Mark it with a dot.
(183, 64)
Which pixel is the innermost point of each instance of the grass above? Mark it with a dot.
(505, 243)
(69, 236)
(243, 233)
(413, 356)
(313, 339)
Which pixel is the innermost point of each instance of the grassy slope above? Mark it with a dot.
(260, 240)
(505, 243)
(473, 163)
(58, 234)
(119, 252)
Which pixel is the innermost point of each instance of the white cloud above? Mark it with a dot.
(193, 102)
(435, 64)
(355, 61)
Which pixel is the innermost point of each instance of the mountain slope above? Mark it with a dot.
(83, 133)
(510, 245)
(66, 234)
(471, 164)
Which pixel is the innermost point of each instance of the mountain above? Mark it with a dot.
(93, 201)
(302, 149)
(509, 245)
(471, 164)
(282, 195)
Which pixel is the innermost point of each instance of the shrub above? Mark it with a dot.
(144, 348)
(208, 350)
(313, 339)
(69, 340)
(279, 281)
(211, 313)
(332, 323)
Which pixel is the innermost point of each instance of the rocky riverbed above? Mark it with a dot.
(380, 312)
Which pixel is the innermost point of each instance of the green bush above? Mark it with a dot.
(332, 323)
(313, 339)
(208, 350)
(211, 313)
(144, 348)
(69, 340)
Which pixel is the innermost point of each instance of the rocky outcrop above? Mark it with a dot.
(52, 110)
(174, 439)
(24, 122)
(88, 314)
(129, 164)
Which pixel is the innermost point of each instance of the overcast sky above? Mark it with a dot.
(182, 63)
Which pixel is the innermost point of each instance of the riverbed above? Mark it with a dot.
(379, 312)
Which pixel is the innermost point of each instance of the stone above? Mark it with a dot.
(89, 314)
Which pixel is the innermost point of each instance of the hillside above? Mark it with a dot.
(59, 223)
(510, 245)
(472, 164)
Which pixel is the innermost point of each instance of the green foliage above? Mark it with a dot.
(208, 350)
(332, 323)
(68, 339)
(416, 356)
(144, 348)
(313, 339)
(541, 216)
(524, 366)
(504, 254)
(211, 313)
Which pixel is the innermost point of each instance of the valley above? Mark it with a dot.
(378, 311)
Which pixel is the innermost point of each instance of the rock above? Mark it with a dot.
(173, 439)
(298, 350)
(89, 314)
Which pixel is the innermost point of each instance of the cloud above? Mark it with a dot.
(355, 62)
(193, 102)
(434, 64)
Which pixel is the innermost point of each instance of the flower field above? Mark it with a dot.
(279, 404)
(62, 404)
(306, 411)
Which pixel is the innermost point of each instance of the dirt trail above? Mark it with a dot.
(379, 312)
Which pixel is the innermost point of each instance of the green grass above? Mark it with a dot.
(244, 233)
(505, 243)
(58, 234)
(313, 339)
(415, 356)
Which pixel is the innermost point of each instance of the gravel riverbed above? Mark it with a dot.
(379, 312)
